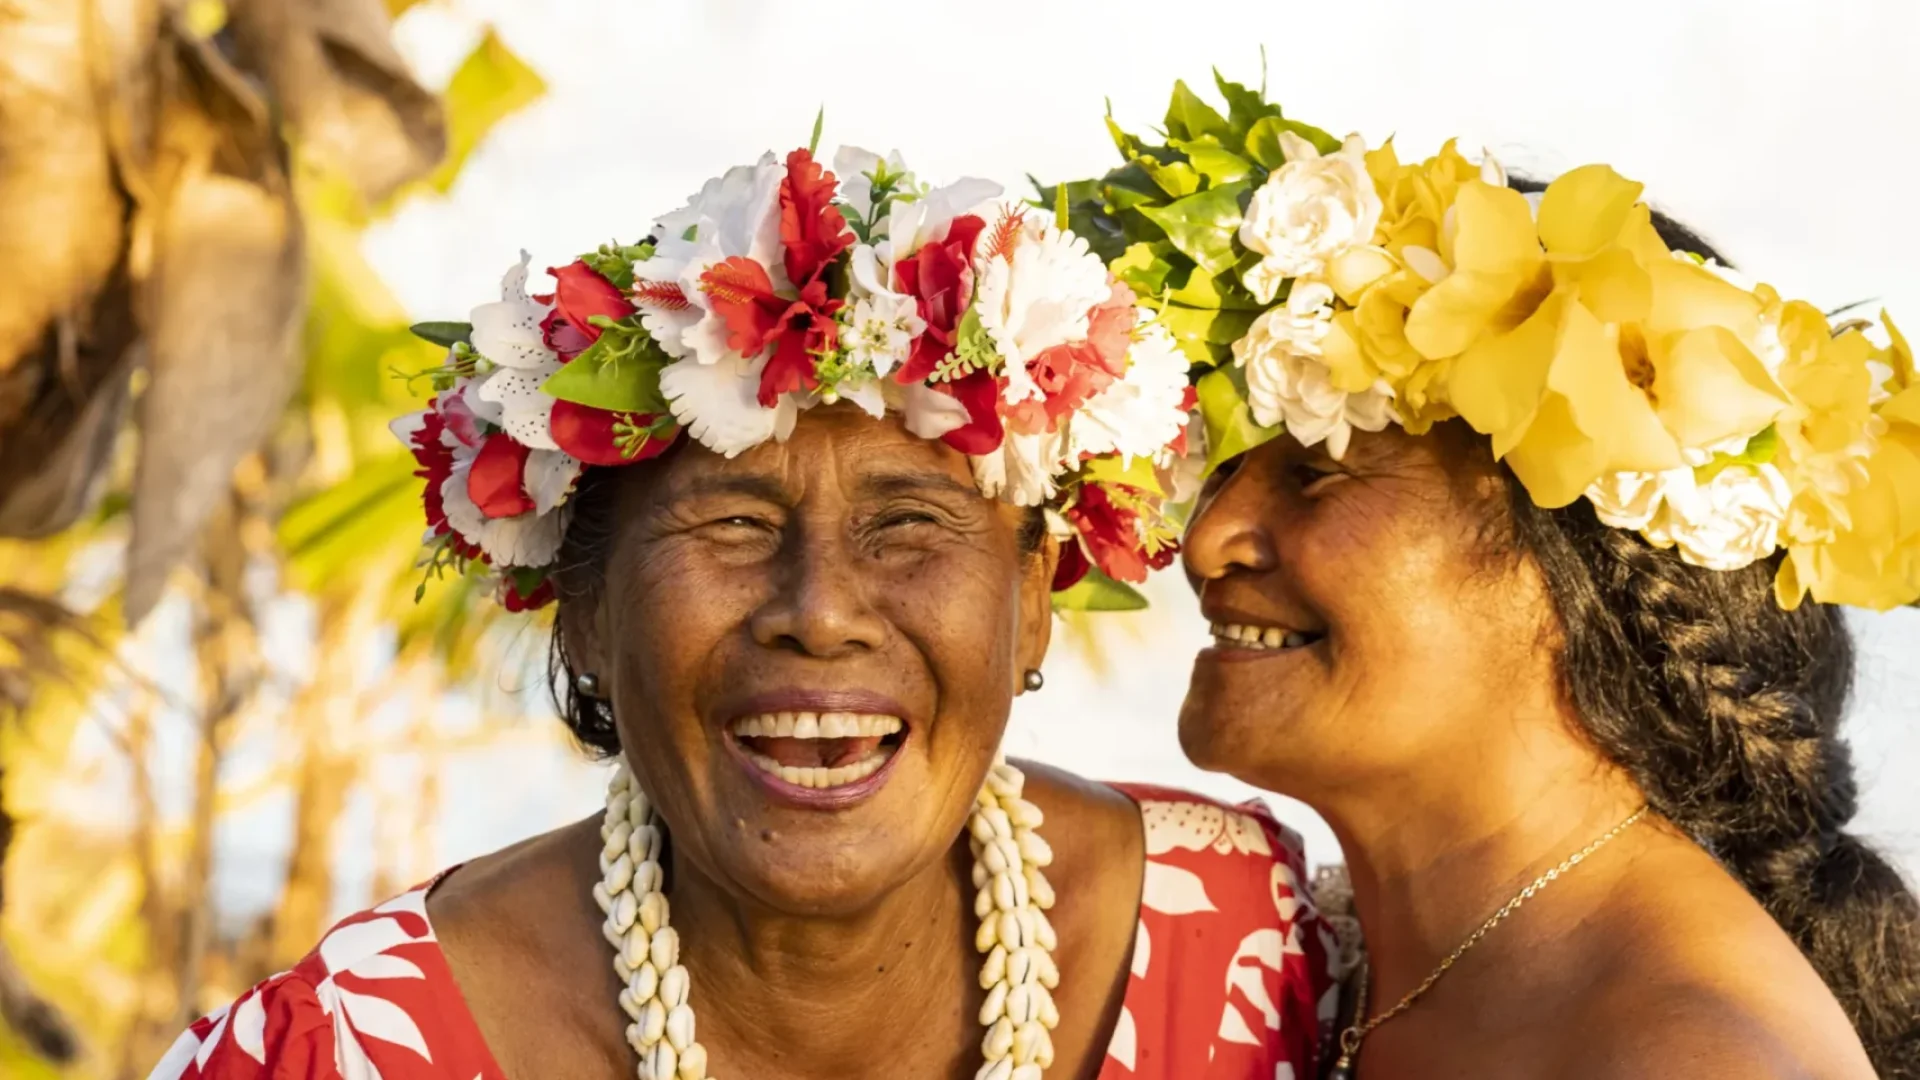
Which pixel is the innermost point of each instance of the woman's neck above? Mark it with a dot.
(866, 994)
(1433, 852)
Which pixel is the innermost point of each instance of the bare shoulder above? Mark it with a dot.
(1700, 1031)
(1093, 828)
(496, 916)
(1691, 976)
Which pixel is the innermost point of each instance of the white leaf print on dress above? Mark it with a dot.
(250, 1027)
(1124, 1047)
(361, 951)
(1142, 950)
(1174, 891)
(1260, 952)
(1196, 826)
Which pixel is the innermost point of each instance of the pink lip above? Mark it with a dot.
(818, 701)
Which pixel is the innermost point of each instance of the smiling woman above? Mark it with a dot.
(1525, 550)
(876, 429)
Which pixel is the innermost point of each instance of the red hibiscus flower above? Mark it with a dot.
(1073, 566)
(980, 393)
(495, 483)
(1177, 446)
(1111, 532)
(1070, 373)
(435, 459)
(538, 596)
(599, 437)
(940, 277)
(579, 293)
(798, 328)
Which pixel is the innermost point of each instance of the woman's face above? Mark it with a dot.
(811, 650)
(1380, 617)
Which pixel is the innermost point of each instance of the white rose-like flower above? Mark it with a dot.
(1038, 293)
(1289, 383)
(1631, 500)
(1731, 521)
(1309, 210)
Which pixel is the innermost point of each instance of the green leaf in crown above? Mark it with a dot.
(1167, 220)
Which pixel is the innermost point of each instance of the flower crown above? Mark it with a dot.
(982, 322)
(1319, 286)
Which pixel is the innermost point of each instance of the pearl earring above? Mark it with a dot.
(1034, 680)
(588, 684)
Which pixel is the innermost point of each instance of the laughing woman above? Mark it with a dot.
(1519, 501)
(788, 468)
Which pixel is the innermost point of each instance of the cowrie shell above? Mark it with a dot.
(653, 911)
(994, 967)
(653, 1022)
(995, 1006)
(680, 1027)
(665, 949)
(693, 1063)
(676, 986)
(619, 873)
(999, 1039)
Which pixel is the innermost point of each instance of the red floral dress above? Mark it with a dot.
(1230, 976)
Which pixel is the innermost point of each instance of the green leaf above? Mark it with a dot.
(1197, 288)
(1202, 226)
(1205, 334)
(490, 85)
(1216, 163)
(819, 123)
(618, 373)
(1231, 430)
(1098, 592)
(1061, 205)
(1144, 267)
(1245, 107)
(1263, 140)
(1178, 179)
(1188, 117)
(1135, 473)
(1760, 450)
(445, 334)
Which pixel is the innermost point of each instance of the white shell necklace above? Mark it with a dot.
(1013, 896)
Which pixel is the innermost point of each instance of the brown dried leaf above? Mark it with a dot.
(227, 299)
(333, 67)
(61, 217)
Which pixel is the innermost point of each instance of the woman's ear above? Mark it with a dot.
(1036, 607)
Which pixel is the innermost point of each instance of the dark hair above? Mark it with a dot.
(1726, 709)
(580, 576)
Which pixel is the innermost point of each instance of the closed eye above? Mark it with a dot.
(1311, 478)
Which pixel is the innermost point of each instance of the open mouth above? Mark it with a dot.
(1261, 638)
(819, 750)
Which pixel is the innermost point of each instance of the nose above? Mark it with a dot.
(1232, 531)
(820, 606)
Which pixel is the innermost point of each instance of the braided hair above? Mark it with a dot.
(1726, 709)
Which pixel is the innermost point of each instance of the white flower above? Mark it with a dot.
(1731, 521)
(719, 405)
(884, 328)
(1309, 210)
(854, 169)
(912, 224)
(530, 539)
(1289, 383)
(1631, 500)
(1024, 468)
(1037, 294)
(1138, 415)
(737, 214)
(926, 412)
(507, 332)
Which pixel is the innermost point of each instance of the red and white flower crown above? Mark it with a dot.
(980, 321)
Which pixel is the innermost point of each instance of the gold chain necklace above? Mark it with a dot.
(1352, 1037)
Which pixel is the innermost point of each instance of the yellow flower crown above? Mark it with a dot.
(1321, 286)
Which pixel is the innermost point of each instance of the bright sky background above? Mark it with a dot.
(1782, 130)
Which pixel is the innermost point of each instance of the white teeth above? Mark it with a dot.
(815, 726)
(1240, 636)
(818, 726)
(821, 777)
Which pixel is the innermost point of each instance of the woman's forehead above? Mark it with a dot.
(838, 446)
